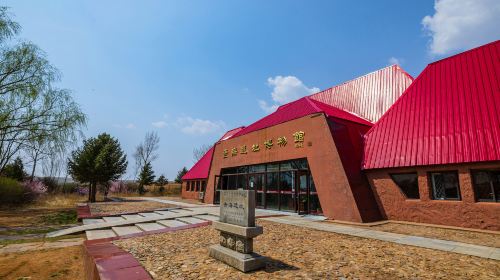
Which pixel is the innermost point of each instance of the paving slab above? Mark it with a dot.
(99, 234)
(171, 223)
(495, 254)
(131, 216)
(122, 222)
(113, 219)
(150, 226)
(92, 221)
(150, 214)
(182, 211)
(207, 217)
(163, 212)
(191, 220)
(126, 230)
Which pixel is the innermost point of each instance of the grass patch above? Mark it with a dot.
(32, 240)
(26, 231)
(60, 218)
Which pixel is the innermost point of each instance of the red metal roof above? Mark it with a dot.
(231, 133)
(368, 96)
(297, 109)
(448, 115)
(201, 168)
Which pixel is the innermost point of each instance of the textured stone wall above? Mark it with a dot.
(464, 213)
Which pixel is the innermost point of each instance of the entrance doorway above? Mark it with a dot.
(284, 186)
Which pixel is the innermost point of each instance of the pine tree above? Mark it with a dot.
(99, 161)
(181, 173)
(146, 177)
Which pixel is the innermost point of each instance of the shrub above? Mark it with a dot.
(51, 183)
(35, 187)
(11, 191)
(69, 188)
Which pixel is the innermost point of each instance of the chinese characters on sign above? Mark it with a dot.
(298, 139)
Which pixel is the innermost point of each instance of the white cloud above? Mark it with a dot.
(267, 108)
(462, 24)
(127, 126)
(393, 60)
(159, 124)
(285, 89)
(195, 126)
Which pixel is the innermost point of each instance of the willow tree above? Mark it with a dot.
(33, 112)
(99, 161)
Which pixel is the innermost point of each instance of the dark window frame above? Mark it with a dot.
(399, 187)
(431, 185)
(496, 196)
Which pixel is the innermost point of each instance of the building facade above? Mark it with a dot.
(382, 146)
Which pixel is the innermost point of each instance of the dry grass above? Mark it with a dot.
(64, 263)
(59, 201)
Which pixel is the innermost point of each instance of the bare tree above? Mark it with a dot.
(199, 152)
(147, 151)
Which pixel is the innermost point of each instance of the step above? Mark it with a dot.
(92, 221)
(171, 223)
(113, 219)
(190, 220)
(150, 226)
(126, 230)
(99, 234)
(163, 212)
(207, 217)
(150, 215)
(181, 211)
(132, 216)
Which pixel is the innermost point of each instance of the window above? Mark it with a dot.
(408, 184)
(445, 185)
(486, 185)
(203, 186)
(197, 186)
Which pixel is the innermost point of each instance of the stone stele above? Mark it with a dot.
(237, 229)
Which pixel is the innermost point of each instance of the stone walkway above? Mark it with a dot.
(424, 242)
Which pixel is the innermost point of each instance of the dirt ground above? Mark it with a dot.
(298, 253)
(64, 263)
(113, 208)
(472, 237)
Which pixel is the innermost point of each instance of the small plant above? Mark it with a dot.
(11, 191)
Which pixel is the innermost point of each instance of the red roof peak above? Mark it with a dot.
(370, 95)
(447, 116)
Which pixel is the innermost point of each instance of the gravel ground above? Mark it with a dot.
(298, 253)
(477, 238)
(113, 208)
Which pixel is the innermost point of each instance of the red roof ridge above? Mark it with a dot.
(361, 77)
(463, 52)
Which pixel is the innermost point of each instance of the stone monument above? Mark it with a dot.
(237, 229)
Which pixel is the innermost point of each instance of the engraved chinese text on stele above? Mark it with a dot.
(237, 207)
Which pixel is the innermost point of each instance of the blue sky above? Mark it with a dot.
(192, 69)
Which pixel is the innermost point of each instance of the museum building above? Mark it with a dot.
(381, 146)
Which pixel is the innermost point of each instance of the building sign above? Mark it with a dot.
(298, 139)
(237, 207)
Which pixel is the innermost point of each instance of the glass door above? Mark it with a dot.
(302, 189)
(256, 183)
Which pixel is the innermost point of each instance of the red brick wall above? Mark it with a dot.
(191, 193)
(332, 184)
(464, 213)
